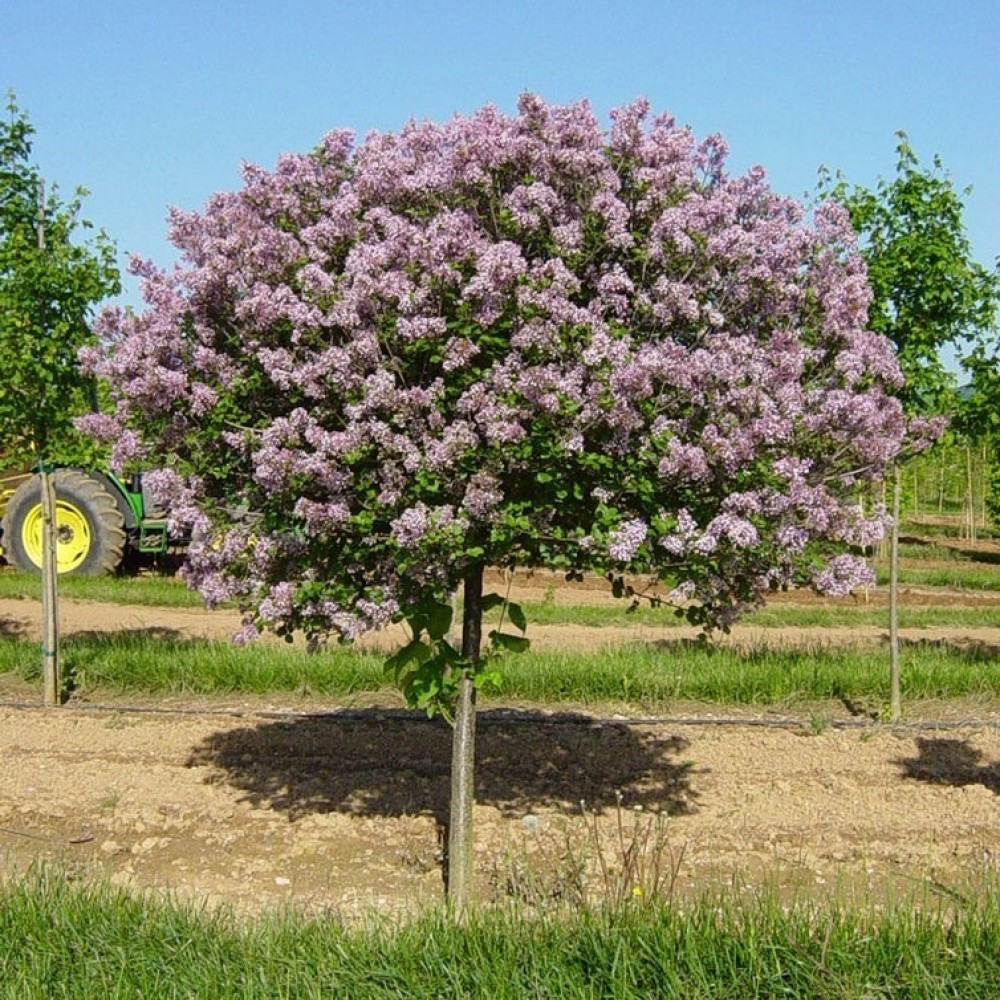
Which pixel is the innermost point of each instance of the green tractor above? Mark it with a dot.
(100, 519)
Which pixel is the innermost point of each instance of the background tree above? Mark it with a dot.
(927, 292)
(504, 341)
(48, 286)
(47, 294)
(979, 414)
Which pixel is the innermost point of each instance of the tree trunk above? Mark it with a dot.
(461, 854)
(882, 553)
(51, 686)
(970, 493)
(895, 696)
(985, 522)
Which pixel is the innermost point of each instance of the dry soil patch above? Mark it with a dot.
(347, 812)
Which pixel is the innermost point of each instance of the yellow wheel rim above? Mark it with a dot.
(72, 536)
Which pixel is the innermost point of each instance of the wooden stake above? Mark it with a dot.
(51, 683)
(895, 695)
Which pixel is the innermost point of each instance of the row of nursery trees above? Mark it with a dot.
(517, 340)
(956, 486)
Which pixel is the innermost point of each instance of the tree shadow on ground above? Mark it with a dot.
(944, 761)
(102, 638)
(388, 763)
(955, 545)
(972, 652)
(980, 556)
(685, 644)
(12, 629)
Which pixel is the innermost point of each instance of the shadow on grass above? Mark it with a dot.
(12, 629)
(980, 556)
(973, 652)
(389, 763)
(858, 708)
(102, 639)
(685, 644)
(948, 761)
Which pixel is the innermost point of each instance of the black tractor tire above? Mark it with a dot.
(91, 534)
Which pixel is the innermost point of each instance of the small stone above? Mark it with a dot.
(146, 845)
(531, 822)
(282, 881)
(111, 847)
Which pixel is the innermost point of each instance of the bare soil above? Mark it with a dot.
(261, 803)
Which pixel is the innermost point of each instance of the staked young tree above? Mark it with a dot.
(504, 340)
(49, 284)
(928, 292)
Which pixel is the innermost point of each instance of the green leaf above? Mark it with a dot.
(439, 618)
(491, 601)
(447, 657)
(488, 680)
(413, 654)
(517, 617)
(431, 617)
(512, 643)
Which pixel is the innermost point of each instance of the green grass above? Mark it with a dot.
(778, 616)
(60, 941)
(925, 527)
(924, 551)
(647, 675)
(150, 590)
(650, 675)
(159, 664)
(964, 576)
(773, 616)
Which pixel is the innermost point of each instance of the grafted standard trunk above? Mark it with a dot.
(461, 852)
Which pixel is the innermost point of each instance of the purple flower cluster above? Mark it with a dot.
(625, 540)
(500, 338)
(843, 575)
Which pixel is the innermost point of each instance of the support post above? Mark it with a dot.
(895, 686)
(51, 682)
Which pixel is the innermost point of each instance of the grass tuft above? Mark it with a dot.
(151, 589)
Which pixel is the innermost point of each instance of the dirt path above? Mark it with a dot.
(345, 812)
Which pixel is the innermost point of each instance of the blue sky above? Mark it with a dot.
(150, 103)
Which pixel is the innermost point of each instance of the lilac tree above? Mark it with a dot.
(504, 340)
